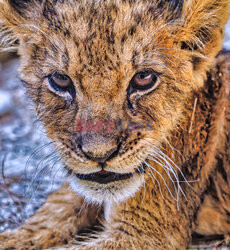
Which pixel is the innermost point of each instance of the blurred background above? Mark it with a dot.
(30, 168)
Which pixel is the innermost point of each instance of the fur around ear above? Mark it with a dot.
(17, 8)
(15, 15)
(20, 6)
(204, 23)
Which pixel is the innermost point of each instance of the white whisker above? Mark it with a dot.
(141, 166)
(161, 178)
(158, 183)
(156, 155)
(168, 159)
(172, 22)
(167, 170)
(58, 46)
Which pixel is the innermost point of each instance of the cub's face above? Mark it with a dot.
(110, 79)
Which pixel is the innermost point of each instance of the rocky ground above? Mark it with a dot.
(29, 166)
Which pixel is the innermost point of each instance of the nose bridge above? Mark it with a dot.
(104, 95)
(98, 109)
(98, 136)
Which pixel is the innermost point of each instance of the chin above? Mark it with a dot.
(112, 192)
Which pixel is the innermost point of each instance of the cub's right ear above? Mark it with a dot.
(15, 16)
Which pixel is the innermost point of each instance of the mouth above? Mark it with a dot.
(104, 177)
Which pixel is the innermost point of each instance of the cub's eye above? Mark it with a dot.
(62, 85)
(60, 82)
(144, 80)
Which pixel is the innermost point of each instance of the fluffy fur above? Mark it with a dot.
(101, 45)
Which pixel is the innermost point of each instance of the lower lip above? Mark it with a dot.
(104, 177)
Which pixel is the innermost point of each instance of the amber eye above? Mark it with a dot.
(144, 80)
(60, 82)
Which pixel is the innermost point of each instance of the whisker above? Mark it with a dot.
(58, 47)
(161, 178)
(141, 166)
(33, 154)
(151, 174)
(55, 174)
(43, 165)
(138, 169)
(165, 169)
(172, 22)
(170, 168)
(11, 195)
(156, 155)
(168, 159)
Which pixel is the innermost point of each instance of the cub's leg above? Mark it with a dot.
(62, 216)
(213, 217)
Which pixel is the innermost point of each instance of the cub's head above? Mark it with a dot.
(111, 78)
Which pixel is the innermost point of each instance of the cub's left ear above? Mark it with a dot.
(203, 26)
(15, 18)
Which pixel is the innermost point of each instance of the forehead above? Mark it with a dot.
(85, 19)
(104, 33)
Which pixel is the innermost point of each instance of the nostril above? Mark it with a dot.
(100, 159)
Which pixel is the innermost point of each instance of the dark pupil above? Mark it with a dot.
(143, 75)
(61, 77)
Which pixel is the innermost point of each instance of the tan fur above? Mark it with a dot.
(101, 45)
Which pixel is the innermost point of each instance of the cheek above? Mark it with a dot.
(150, 107)
(163, 108)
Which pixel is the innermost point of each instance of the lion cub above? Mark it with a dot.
(123, 91)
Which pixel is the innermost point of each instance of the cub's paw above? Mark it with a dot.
(12, 240)
(28, 240)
